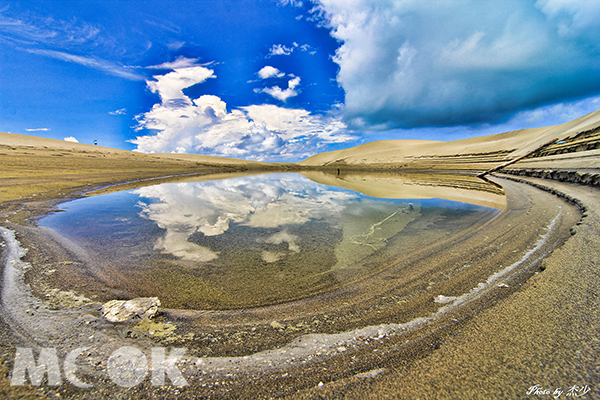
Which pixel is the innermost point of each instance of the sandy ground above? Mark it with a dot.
(46, 168)
(382, 345)
(543, 333)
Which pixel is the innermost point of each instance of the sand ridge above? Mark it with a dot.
(478, 154)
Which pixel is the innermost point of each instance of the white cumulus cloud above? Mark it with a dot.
(270, 72)
(205, 125)
(282, 94)
(280, 50)
(170, 86)
(71, 139)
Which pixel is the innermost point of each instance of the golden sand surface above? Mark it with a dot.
(474, 155)
(47, 168)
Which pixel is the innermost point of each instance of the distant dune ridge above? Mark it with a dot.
(477, 154)
(548, 145)
(11, 139)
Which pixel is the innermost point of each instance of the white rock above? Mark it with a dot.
(370, 374)
(441, 299)
(124, 310)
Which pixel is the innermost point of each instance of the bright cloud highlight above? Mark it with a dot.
(205, 126)
(280, 50)
(170, 86)
(282, 94)
(120, 111)
(270, 72)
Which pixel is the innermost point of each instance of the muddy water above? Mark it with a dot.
(255, 240)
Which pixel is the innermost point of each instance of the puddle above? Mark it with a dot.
(259, 240)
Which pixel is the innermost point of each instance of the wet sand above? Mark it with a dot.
(544, 334)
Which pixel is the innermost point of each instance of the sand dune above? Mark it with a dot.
(13, 139)
(46, 168)
(209, 159)
(40, 144)
(480, 153)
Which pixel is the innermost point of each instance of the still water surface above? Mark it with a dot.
(253, 240)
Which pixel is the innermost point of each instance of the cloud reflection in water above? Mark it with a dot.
(183, 209)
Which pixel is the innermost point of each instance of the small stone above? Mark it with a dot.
(370, 374)
(441, 299)
(321, 384)
(125, 310)
(277, 325)
(503, 285)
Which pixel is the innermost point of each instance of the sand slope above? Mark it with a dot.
(45, 168)
(209, 159)
(39, 143)
(480, 153)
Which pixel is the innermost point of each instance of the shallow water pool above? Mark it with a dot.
(255, 240)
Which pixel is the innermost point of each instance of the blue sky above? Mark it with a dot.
(282, 80)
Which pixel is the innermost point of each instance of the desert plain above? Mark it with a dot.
(536, 330)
